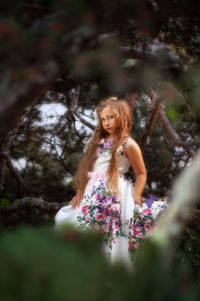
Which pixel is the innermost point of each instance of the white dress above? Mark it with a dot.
(123, 222)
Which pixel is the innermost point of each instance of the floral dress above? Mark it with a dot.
(124, 223)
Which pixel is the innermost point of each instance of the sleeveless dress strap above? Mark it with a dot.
(125, 142)
(122, 146)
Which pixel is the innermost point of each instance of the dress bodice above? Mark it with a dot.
(104, 153)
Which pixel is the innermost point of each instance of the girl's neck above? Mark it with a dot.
(112, 137)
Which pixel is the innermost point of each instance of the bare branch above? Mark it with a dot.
(4, 153)
(74, 96)
(172, 134)
(40, 138)
(153, 112)
(17, 176)
(131, 100)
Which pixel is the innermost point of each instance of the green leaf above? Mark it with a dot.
(129, 63)
(4, 202)
(172, 113)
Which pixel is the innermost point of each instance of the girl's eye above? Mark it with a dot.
(108, 118)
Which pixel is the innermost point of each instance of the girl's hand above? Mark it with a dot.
(139, 200)
(76, 200)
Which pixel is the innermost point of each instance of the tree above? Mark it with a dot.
(49, 49)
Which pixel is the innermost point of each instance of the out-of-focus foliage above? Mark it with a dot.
(38, 264)
(188, 254)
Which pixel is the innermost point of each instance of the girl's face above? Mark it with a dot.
(108, 120)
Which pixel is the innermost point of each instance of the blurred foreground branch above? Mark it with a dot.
(186, 193)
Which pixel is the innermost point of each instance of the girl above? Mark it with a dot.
(105, 200)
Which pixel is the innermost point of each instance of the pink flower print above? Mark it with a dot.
(85, 209)
(113, 229)
(160, 211)
(99, 195)
(108, 200)
(139, 235)
(147, 227)
(109, 209)
(134, 229)
(87, 219)
(100, 216)
(146, 211)
(116, 226)
(136, 245)
(99, 151)
(104, 228)
(137, 231)
(107, 145)
(111, 143)
(148, 221)
(116, 207)
(96, 226)
(96, 211)
(101, 141)
(116, 220)
(138, 228)
(115, 197)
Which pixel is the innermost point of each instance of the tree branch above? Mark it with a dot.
(150, 122)
(74, 96)
(4, 153)
(131, 100)
(30, 204)
(172, 134)
(17, 176)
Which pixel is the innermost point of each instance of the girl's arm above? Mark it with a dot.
(133, 153)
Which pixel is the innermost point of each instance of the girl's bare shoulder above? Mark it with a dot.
(131, 146)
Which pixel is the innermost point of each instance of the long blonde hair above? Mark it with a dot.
(122, 112)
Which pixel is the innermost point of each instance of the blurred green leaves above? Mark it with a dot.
(4, 202)
(42, 264)
(172, 113)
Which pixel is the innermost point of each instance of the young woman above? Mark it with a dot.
(105, 200)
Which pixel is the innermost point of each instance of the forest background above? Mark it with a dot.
(71, 54)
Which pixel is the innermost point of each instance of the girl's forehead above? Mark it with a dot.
(106, 111)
